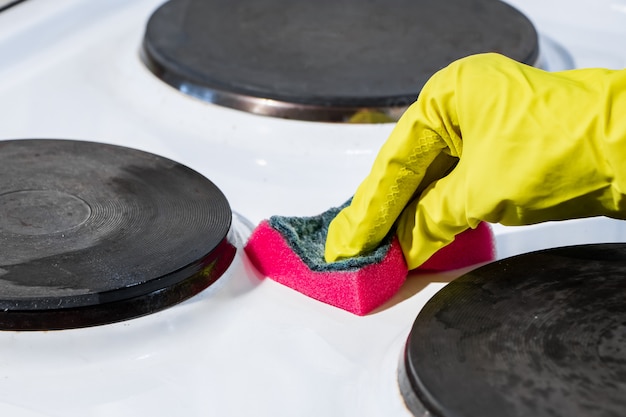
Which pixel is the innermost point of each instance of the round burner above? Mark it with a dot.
(93, 233)
(333, 60)
(540, 334)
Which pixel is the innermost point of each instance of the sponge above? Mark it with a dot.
(290, 250)
(470, 247)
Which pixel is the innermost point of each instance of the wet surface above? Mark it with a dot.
(541, 334)
(87, 225)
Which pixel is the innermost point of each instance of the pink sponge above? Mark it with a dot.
(358, 290)
(471, 247)
(290, 250)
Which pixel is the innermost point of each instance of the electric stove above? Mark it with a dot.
(75, 70)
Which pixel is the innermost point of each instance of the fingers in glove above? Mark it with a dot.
(428, 129)
(432, 221)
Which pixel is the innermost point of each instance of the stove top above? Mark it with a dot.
(72, 70)
(331, 60)
(538, 334)
(94, 233)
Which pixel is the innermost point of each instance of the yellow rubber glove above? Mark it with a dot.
(529, 146)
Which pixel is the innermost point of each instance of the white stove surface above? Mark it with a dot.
(70, 69)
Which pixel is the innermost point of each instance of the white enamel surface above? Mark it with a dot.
(246, 346)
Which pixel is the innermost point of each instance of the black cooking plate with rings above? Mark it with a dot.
(536, 335)
(325, 54)
(94, 233)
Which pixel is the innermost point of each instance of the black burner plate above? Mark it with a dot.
(93, 233)
(350, 53)
(540, 334)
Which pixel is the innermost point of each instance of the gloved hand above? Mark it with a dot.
(490, 139)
